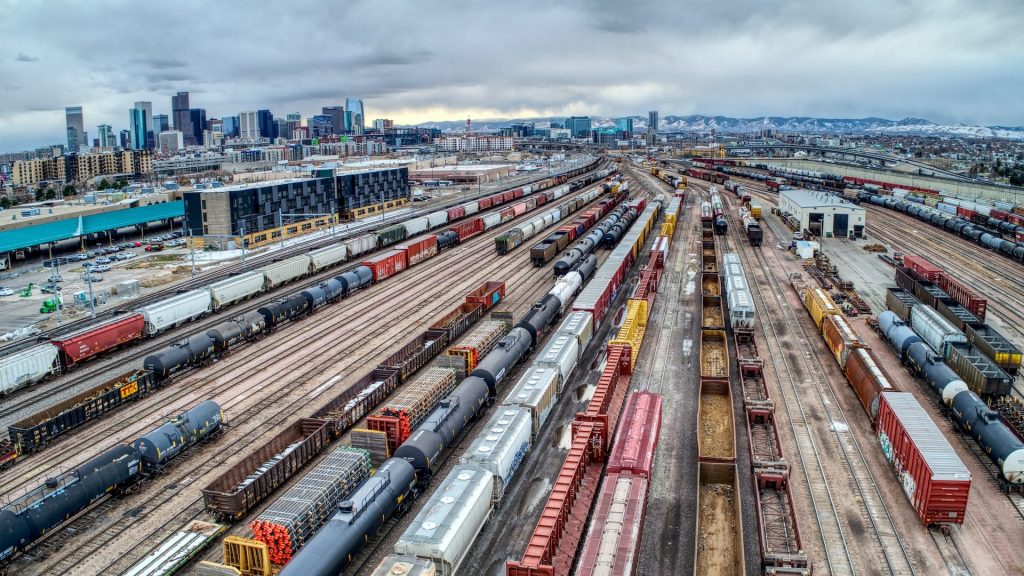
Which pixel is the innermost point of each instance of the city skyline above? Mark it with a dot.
(918, 59)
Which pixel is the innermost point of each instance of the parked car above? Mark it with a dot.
(154, 247)
(48, 290)
(103, 260)
(100, 268)
(136, 244)
(127, 255)
(4, 291)
(55, 278)
(78, 257)
(90, 254)
(92, 277)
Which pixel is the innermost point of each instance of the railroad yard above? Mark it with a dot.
(616, 368)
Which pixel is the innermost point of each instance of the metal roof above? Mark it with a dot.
(77, 226)
(810, 199)
(936, 450)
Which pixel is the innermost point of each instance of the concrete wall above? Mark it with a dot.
(952, 187)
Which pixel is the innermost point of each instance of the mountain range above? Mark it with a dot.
(801, 124)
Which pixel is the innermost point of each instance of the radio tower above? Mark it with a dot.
(469, 127)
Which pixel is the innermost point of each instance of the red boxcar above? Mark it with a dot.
(998, 214)
(637, 437)
(469, 228)
(612, 543)
(497, 199)
(867, 379)
(387, 264)
(965, 213)
(486, 203)
(964, 295)
(78, 346)
(541, 199)
(517, 193)
(520, 208)
(923, 267)
(931, 473)
(507, 214)
(487, 294)
(1016, 219)
(419, 250)
(456, 213)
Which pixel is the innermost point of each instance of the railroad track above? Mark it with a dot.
(283, 402)
(30, 400)
(799, 373)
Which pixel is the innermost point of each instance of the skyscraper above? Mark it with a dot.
(182, 117)
(265, 120)
(77, 138)
(358, 114)
(294, 117)
(107, 139)
(248, 127)
(337, 114)
(624, 124)
(230, 126)
(138, 127)
(579, 126)
(652, 127)
(160, 124)
(149, 136)
(126, 140)
(198, 118)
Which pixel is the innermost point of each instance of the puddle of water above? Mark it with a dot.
(687, 347)
(535, 494)
(839, 427)
(691, 287)
(584, 393)
(563, 437)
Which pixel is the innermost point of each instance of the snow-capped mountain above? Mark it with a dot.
(801, 124)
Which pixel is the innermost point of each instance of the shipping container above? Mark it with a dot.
(935, 330)
(637, 437)
(561, 353)
(449, 522)
(995, 346)
(840, 337)
(227, 292)
(612, 542)
(417, 251)
(537, 391)
(176, 310)
(932, 475)
(387, 264)
(867, 380)
(980, 372)
(88, 342)
(502, 448)
(328, 256)
(36, 431)
(285, 271)
(235, 492)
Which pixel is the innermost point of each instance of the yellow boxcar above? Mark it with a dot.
(820, 304)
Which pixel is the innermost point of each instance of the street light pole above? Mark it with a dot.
(92, 299)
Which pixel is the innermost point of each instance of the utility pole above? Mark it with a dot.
(241, 240)
(53, 285)
(192, 252)
(92, 300)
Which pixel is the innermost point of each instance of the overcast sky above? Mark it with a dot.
(413, 61)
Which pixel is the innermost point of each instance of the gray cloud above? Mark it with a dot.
(22, 57)
(952, 61)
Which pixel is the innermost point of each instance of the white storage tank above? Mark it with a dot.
(416, 225)
(536, 391)
(561, 353)
(581, 326)
(176, 310)
(328, 256)
(285, 271)
(437, 219)
(934, 329)
(445, 528)
(27, 367)
(501, 446)
(361, 244)
(230, 290)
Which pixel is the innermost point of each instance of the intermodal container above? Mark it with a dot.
(932, 475)
(387, 264)
(82, 344)
(419, 250)
(867, 380)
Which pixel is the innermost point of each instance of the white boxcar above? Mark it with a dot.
(560, 191)
(286, 270)
(502, 446)
(231, 290)
(328, 256)
(561, 353)
(436, 219)
(446, 527)
(581, 326)
(529, 189)
(361, 244)
(27, 367)
(404, 565)
(176, 310)
(566, 287)
(491, 220)
(416, 225)
(536, 391)
(471, 207)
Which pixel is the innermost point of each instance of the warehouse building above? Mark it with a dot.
(824, 215)
(245, 209)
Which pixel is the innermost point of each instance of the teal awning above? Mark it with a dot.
(73, 226)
